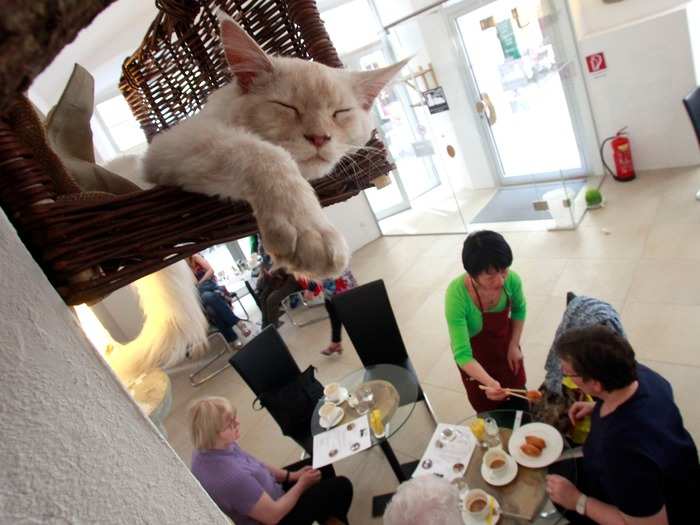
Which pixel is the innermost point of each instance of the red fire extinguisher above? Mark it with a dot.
(622, 155)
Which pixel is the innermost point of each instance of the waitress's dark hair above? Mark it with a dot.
(485, 250)
(599, 353)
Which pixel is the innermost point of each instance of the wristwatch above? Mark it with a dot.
(581, 504)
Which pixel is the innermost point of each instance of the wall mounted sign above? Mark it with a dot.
(596, 62)
(506, 36)
(436, 101)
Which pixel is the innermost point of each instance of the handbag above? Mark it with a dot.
(292, 405)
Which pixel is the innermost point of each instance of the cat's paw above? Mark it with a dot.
(309, 247)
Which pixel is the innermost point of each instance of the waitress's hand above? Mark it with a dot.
(515, 357)
(495, 392)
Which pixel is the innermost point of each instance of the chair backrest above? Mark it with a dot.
(265, 362)
(366, 313)
(252, 293)
(692, 106)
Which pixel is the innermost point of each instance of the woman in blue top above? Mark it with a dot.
(640, 465)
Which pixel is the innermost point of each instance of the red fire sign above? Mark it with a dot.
(596, 62)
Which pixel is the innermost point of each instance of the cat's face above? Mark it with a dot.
(308, 109)
(317, 113)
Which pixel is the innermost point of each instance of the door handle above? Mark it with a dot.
(486, 108)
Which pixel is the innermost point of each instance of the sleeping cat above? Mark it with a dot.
(281, 122)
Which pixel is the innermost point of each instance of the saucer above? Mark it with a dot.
(495, 516)
(341, 399)
(505, 478)
(330, 424)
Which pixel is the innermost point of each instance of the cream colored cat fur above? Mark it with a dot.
(282, 122)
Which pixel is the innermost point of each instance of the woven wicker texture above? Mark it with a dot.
(90, 244)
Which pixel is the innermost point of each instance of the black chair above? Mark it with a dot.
(266, 364)
(692, 106)
(253, 294)
(367, 316)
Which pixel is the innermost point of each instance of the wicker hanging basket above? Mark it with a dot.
(90, 243)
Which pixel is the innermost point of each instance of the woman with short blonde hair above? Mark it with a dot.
(207, 418)
(252, 492)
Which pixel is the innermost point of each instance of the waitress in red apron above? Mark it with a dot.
(485, 312)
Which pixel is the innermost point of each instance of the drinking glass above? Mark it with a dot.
(493, 437)
(365, 398)
(376, 423)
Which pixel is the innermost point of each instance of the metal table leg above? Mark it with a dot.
(402, 473)
(194, 381)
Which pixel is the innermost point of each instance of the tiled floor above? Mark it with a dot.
(641, 252)
(438, 211)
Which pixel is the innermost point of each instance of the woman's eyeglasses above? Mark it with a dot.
(232, 423)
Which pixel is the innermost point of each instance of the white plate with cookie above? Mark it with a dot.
(536, 445)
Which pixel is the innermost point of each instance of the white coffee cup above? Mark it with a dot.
(332, 391)
(496, 461)
(328, 412)
(476, 504)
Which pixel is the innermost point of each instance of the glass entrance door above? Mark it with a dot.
(518, 75)
(403, 135)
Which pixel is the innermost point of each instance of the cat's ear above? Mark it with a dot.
(369, 83)
(245, 57)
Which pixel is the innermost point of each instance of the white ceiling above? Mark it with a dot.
(100, 48)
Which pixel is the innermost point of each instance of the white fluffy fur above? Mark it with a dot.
(252, 141)
(174, 322)
(168, 332)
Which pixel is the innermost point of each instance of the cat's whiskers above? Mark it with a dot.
(345, 164)
(350, 161)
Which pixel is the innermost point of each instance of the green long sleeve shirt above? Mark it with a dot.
(464, 319)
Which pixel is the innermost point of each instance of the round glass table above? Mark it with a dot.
(403, 381)
(523, 499)
(403, 391)
(401, 386)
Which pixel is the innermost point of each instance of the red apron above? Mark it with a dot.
(490, 349)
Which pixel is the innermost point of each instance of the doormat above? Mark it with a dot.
(515, 204)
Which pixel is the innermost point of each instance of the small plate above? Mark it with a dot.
(341, 399)
(330, 424)
(495, 516)
(555, 445)
(499, 481)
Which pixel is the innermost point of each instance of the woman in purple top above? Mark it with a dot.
(251, 492)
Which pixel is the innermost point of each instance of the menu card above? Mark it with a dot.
(448, 453)
(341, 442)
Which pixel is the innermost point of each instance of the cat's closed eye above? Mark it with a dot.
(288, 106)
(341, 111)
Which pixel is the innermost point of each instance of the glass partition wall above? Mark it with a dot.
(488, 125)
